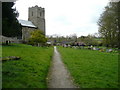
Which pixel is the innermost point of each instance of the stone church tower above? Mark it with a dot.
(37, 17)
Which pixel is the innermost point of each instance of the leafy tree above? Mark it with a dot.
(89, 40)
(37, 37)
(10, 25)
(118, 6)
(108, 24)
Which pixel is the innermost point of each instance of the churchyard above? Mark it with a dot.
(89, 68)
(84, 58)
(30, 71)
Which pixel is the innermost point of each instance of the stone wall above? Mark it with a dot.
(26, 33)
(3, 39)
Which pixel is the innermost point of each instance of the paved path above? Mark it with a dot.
(58, 76)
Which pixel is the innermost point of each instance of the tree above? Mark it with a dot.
(108, 24)
(37, 37)
(74, 37)
(118, 6)
(10, 24)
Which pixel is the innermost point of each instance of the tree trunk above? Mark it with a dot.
(7, 42)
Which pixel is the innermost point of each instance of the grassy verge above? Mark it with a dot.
(91, 69)
(28, 72)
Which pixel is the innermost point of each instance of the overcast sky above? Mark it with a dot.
(65, 17)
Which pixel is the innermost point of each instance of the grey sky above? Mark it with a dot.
(65, 17)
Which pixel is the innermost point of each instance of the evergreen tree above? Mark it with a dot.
(10, 24)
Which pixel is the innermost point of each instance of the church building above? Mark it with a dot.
(36, 20)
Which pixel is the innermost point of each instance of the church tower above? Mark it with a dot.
(37, 17)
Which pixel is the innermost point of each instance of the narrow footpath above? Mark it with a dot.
(59, 77)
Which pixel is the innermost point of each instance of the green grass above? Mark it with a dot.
(28, 72)
(91, 69)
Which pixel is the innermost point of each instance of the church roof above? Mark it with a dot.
(27, 23)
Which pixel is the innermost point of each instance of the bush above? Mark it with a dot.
(37, 38)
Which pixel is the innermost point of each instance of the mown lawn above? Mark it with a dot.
(91, 69)
(28, 72)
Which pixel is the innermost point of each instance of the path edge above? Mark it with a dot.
(49, 71)
(73, 81)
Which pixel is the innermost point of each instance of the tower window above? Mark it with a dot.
(40, 14)
(32, 13)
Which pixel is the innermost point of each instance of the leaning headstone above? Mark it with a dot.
(65, 45)
(94, 48)
(109, 50)
(68, 45)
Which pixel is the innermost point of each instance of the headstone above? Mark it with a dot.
(109, 50)
(94, 48)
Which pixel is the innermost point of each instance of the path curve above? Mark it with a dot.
(59, 77)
